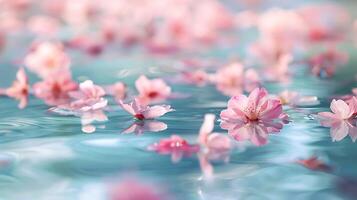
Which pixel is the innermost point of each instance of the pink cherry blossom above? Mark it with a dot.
(256, 107)
(151, 91)
(315, 164)
(326, 63)
(253, 117)
(118, 90)
(88, 97)
(47, 59)
(141, 112)
(55, 90)
(233, 80)
(176, 146)
(279, 71)
(19, 89)
(341, 120)
(139, 127)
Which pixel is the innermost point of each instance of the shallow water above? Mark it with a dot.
(46, 156)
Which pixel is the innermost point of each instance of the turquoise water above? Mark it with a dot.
(47, 156)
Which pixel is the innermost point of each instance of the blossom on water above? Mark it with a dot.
(198, 77)
(253, 117)
(55, 90)
(341, 120)
(88, 97)
(233, 79)
(47, 59)
(141, 111)
(176, 146)
(19, 90)
(152, 91)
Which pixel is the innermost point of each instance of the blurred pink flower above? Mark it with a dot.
(54, 90)
(141, 112)
(47, 59)
(232, 80)
(315, 164)
(87, 119)
(152, 91)
(325, 63)
(88, 97)
(253, 117)
(176, 146)
(279, 71)
(131, 189)
(43, 25)
(139, 127)
(118, 90)
(341, 120)
(19, 89)
(198, 77)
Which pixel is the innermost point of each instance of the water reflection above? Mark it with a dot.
(140, 126)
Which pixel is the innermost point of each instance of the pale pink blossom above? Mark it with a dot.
(341, 120)
(43, 25)
(325, 23)
(88, 97)
(198, 77)
(326, 63)
(19, 90)
(87, 43)
(132, 189)
(139, 127)
(54, 90)
(253, 117)
(47, 59)
(151, 91)
(285, 27)
(232, 80)
(142, 112)
(279, 71)
(118, 90)
(176, 146)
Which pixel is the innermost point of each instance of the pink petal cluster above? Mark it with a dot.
(152, 91)
(341, 120)
(19, 90)
(326, 63)
(232, 79)
(253, 117)
(142, 112)
(47, 59)
(55, 90)
(89, 97)
(197, 77)
(176, 146)
(118, 90)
